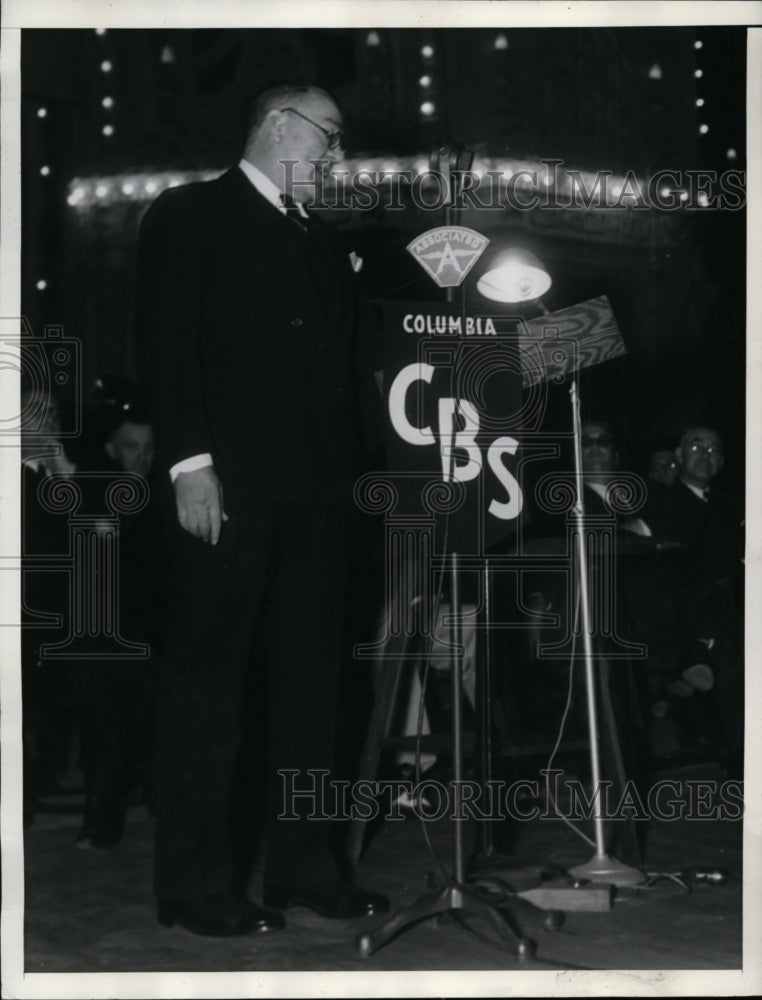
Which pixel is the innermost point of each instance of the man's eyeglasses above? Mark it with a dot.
(602, 440)
(334, 139)
(702, 449)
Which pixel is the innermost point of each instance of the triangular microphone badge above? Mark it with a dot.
(448, 253)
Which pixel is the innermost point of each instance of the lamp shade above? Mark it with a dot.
(515, 276)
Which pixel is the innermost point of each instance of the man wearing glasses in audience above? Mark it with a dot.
(707, 583)
(257, 369)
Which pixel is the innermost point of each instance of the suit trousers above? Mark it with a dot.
(261, 610)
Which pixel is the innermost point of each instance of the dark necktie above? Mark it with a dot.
(292, 211)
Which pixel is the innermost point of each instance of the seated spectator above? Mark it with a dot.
(552, 591)
(412, 691)
(707, 522)
(662, 466)
(600, 459)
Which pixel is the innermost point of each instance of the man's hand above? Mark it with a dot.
(198, 496)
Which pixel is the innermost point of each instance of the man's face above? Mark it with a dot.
(131, 447)
(700, 456)
(663, 467)
(598, 451)
(309, 128)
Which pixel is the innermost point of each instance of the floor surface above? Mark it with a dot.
(92, 911)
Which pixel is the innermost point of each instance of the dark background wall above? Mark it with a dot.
(615, 99)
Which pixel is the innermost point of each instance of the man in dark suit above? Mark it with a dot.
(248, 335)
(707, 522)
(693, 508)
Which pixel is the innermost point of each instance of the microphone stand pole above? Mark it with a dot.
(601, 867)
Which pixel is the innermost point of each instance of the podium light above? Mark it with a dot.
(516, 276)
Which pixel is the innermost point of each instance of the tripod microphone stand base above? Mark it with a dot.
(454, 902)
(602, 868)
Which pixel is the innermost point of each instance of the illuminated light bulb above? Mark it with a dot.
(128, 188)
(372, 39)
(683, 196)
(167, 55)
(425, 80)
(515, 276)
(108, 102)
(101, 31)
(174, 182)
(501, 42)
(42, 112)
(698, 73)
(731, 154)
(42, 284)
(77, 195)
(150, 187)
(616, 190)
(108, 130)
(703, 129)
(428, 108)
(703, 199)
(45, 171)
(665, 192)
(106, 66)
(427, 51)
(699, 102)
(698, 44)
(101, 191)
(654, 72)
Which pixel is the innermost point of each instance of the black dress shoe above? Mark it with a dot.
(337, 900)
(218, 916)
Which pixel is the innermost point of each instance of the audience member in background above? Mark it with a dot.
(547, 684)
(549, 592)
(130, 446)
(408, 762)
(117, 695)
(662, 467)
(708, 523)
(600, 459)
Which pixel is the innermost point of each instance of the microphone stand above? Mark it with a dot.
(601, 867)
(455, 898)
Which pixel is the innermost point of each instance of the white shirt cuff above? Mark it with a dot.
(190, 465)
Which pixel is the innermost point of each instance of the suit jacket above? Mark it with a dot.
(676, 513)
(248, 342)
